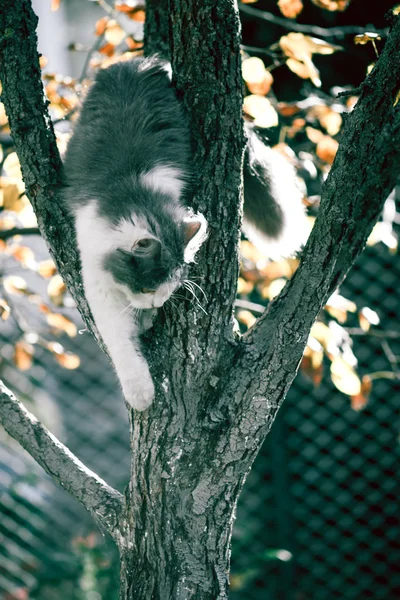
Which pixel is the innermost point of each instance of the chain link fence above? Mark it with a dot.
(318, 517)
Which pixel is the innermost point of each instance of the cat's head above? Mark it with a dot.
(149, 259)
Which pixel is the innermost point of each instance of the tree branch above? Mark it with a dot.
(103, 502)
(35, 143)
(8, 233)
(363, 174)
(315, 30)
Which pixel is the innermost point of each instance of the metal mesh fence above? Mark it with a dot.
(323, 492)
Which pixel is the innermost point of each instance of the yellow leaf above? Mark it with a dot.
(68, 360)
(368, 317)
(56, 290)
(305, 70)
(366, 37)
(3, 116)
(314, 135)
(344, 377)
(23, 355)
(12, 167)
(253, 70)
(114, 34)
(55, 4)
(275, 287)
(47, 268)
(332, 5)
(324, 335)
(261, 110)
(290, 8)
(329, 118)
(4, 309)
(101, 25)
(326, 149)
(246, 317)
(23, 255)
(15, 285)
(244, 287)
(63, 323)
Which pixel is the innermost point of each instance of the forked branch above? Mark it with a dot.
(103, 502)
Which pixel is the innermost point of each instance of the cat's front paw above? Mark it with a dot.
(139, 392)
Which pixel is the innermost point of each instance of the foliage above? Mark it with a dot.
(306, 130)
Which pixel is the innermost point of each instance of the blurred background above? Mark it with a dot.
(318, 517)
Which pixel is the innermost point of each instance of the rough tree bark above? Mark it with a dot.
(217, 394)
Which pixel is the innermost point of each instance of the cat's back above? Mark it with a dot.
(130, 121)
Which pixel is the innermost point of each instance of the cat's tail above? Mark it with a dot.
(274, 215)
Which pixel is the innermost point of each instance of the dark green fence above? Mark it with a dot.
(318, 518)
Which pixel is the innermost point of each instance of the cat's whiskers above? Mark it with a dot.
(187, 284)
(192, 282)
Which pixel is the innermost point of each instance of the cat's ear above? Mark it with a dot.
(190, 228)
(146, 247)
(194, 234)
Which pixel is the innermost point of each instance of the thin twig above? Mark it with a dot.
(394, 363)
(393, 335)
(102, 501)
(8, 233)
(322, 32)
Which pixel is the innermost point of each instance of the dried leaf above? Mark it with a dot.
(5, 310)
(56, 290)
(314, 135)
(47, 268)
(138, 14)
(257, 78)
(114, 34)
(23, 355)
(246, 317)
(107, 49)
(297, 45)
(330, 119)
(62, 323)
(332, 5)
(383, 232)
(55, 4)
(43, 61)
(344, 377)
(244, 287)
(101, 25)
(15, 285)
(366, 37)
(324, 335)
(12, 167)
(367, 317)
(23, 255)
(261, 111)
(3, 116)
(326, 149)
(305, 70)
(360, 401)
(68, 360)
(132, 43)
(299, 49)
(274, 288)
(338, 306)
(290, 8)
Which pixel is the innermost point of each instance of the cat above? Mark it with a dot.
(128, 176)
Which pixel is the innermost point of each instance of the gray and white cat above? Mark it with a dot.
(128, 175)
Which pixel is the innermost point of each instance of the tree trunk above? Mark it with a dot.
(216, 394)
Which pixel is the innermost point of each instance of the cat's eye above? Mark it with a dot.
(145, 243)
(147, 291)
(146, 247)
